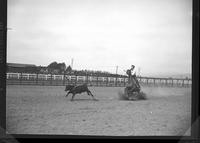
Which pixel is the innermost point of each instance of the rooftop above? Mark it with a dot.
(20, 65)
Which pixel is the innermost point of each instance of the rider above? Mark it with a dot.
(133, 84)
(129, 73)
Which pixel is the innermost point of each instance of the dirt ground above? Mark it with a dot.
(46, 110)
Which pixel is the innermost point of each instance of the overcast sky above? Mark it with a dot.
(154, 35)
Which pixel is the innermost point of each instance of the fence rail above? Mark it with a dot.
(50, 79)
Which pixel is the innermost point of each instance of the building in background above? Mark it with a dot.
(18, 67)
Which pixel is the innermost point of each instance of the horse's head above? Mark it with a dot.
(68, 87)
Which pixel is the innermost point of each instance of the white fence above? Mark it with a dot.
(27, 76)
(48, 79)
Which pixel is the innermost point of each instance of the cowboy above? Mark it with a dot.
(129, 73)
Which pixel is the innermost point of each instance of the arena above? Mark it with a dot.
(32, 109)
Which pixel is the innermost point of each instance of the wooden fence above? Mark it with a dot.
(49, 79)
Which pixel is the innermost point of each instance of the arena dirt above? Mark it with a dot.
(46, 110)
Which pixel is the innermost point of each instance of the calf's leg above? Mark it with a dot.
(67, 93)
(73, 97)
(89, 93)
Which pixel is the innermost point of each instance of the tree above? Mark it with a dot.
(55, 67)
(69, 69)
(61, 67)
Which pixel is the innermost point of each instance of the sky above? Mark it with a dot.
(153, 35)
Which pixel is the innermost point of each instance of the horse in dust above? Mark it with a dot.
(133, 90)
(78, 89)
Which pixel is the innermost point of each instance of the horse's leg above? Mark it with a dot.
(73, 97)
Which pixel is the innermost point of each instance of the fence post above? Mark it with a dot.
(64, 78)
(160, 82)
(177, 83)
(86, 78)
(97, 81)
(183, 83)
(21, 78)
(37, 79)
(116, 81)
(106, 80)
(18, 76)
(147, 81)
(76, 80)
(51, 79)
(124, 81)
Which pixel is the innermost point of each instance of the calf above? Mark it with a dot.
(77, 90)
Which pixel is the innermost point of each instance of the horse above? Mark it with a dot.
(78, 89)
(133, 88)
(133, 84)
